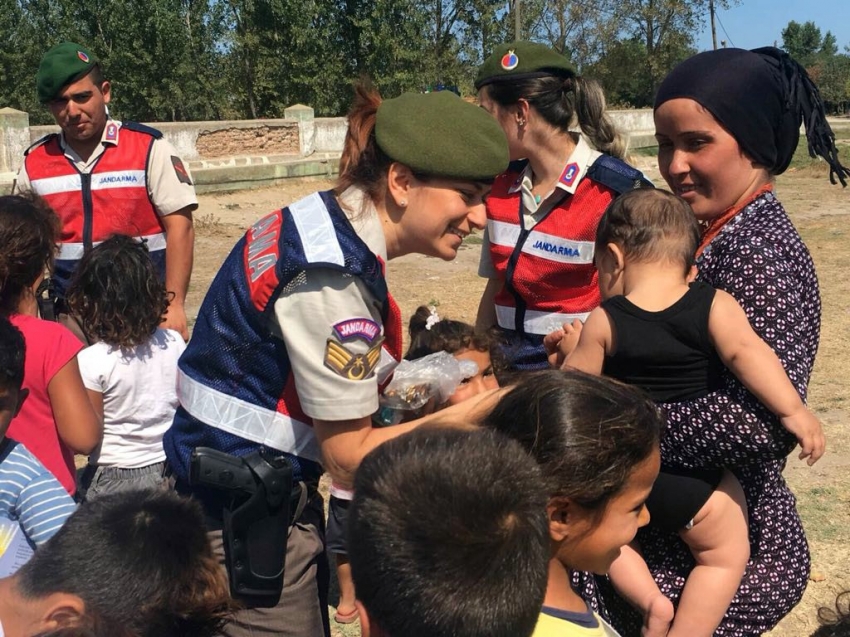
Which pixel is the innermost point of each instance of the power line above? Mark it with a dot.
(724, 30)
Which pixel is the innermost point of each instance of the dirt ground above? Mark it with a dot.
(820, 212)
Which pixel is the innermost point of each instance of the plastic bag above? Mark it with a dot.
(431, 378)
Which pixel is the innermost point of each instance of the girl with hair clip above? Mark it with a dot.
(56, 420)
(298, 331)
(130, 370)
(429, 334)
(727, 122)
(596, 441)
(542, 213)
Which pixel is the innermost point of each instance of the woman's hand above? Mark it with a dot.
(465, 415)
(345, 443)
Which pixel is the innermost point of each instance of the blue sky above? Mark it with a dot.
(755, 23)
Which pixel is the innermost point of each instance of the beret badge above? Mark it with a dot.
(510, 60)
(83, 56)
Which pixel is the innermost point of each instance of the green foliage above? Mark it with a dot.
(630, 77)
(829, 69)
(629, 45)
(803, 41)
(220, 59)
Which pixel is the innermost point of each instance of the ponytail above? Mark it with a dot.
(362, 163)
(594, 122)
(563, 101)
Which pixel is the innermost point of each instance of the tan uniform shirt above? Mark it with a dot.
(167, 192)
(308, 313)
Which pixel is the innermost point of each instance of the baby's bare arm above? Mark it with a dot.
(760, 370)
(594, 341)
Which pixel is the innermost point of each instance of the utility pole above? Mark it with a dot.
(713, 29)
(518, 22)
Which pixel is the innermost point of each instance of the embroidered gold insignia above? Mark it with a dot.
(352, 365)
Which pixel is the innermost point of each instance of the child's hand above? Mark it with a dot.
(572, 332)
(809, 432)
(553, 352)
(561, 343)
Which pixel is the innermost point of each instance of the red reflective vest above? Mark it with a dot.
(111, 199)
(548, 271)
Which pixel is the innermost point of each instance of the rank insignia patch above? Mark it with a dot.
(569, 175)
(180, 169)
(349, 364)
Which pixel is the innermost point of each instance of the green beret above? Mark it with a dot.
(522, 61)
(439, 134)
(63, 64)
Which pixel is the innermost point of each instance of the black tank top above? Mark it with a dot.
(668, 353)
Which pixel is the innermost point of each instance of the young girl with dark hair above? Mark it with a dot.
(57, 420)
(430, 334)
(130, 370)
(596, 441)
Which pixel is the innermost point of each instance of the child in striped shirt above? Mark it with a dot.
(29, 494)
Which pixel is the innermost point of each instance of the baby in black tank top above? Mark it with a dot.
(673, 337)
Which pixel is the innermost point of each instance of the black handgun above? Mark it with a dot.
(256, 522)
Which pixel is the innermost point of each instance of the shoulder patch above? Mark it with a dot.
(39, 142)
(261, 254)
(141, 128)
(617, 175)
(351, 364)
(180, 170)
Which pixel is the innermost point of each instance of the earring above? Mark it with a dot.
(403, 203)
(521, 122)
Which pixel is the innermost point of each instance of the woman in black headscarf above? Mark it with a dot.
(727, 122)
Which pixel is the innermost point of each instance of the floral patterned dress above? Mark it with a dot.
(759, 258)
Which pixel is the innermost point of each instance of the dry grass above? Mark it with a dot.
(207, 225)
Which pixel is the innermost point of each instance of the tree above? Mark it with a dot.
(665, 28)
(802, 41)
(485, 24)
(30, 27)
(580, 29)
(819, 54)
(159, 55)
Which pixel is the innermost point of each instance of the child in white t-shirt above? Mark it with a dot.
(130, 371)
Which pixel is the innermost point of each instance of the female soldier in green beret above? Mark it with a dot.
(298, 330)
(542, 213)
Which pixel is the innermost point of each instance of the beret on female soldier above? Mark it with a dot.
(63, 64)
(440, 135)
(522, 61)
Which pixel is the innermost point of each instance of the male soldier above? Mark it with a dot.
(105, 177)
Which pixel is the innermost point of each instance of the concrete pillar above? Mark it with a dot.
(14, 139)
(304, 115)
